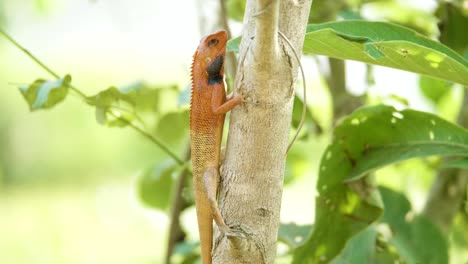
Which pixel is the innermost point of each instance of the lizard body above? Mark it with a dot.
(208, 106)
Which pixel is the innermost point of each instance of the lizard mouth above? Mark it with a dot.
(214, 70)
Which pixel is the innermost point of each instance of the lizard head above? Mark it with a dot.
(210, 55)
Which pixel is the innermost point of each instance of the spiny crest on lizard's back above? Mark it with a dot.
(192, 78)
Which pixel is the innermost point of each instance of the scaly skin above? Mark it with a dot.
(208, 107)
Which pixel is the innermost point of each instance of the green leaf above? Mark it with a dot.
(416, 238)
(184, 95)
(108, 97)
(137, 97)
(340, 212)
(186, 253)
(113, 97)
(233, 44)
(369, 138)
(151, 98)
(377, 136)
(101, 115)
(293, 235)
(173, 126)
(388, 45)
(130, 101)
(360, 249)
(155, 185)
(369, 246)
(456, 163)
(44, 94)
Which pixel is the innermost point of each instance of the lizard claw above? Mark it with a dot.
(248, 98)
(233, 231)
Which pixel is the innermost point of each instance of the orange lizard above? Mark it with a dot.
(208, 107)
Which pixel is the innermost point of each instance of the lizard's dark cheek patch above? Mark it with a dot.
(214, 71)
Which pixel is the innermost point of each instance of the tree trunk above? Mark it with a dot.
(253, 170)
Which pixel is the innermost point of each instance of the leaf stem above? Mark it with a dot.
(83, 96)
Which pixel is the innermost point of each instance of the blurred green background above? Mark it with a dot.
(68, 185)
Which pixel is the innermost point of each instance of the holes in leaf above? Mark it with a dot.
(398, 115)
(355, 122)
(431, 135)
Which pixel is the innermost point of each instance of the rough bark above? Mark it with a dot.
(253, 170)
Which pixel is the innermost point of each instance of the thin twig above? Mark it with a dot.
(36, 60)
(27, 52)
(304, 104)
(178, 205)
(84, 97)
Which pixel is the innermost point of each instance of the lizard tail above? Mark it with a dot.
(205, 228)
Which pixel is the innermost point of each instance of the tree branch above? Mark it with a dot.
(266, 30)
(176, 234)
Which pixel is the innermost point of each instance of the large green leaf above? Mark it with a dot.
(369, 246)
(360, 249)
(378, 136)
(369, 138)
(388, 45)
(43, 94)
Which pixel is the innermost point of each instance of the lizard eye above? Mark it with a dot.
(212, 42)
